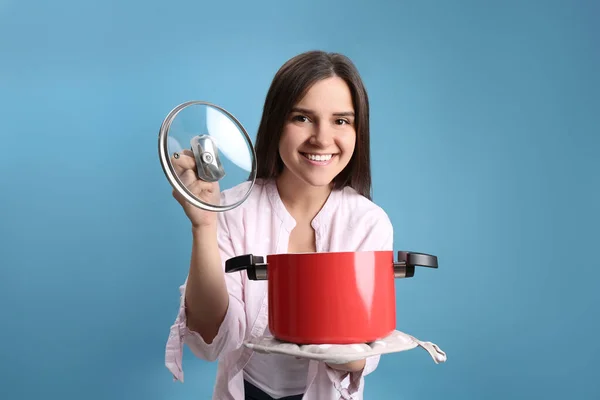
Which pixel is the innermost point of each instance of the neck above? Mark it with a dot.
(302, 200)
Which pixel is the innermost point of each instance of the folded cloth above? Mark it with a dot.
(343, 353)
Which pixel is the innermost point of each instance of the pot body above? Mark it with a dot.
(333, 298)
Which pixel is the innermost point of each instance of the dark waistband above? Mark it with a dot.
(254, 393)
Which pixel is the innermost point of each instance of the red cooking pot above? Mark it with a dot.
(334, 298)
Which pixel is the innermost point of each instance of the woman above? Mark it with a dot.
(312, 194)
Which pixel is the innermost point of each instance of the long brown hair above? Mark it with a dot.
(289, 85)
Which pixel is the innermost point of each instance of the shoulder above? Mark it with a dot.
(253, 199)
(362, 210)
(360, 224)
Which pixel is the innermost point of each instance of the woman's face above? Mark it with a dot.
(319, 135)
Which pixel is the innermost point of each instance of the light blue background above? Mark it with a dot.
(485, 135)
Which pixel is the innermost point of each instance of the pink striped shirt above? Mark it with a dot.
(262, 226)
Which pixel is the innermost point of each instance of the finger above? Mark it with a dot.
(183, 161)
(178, 196)
(183, 154)
(200, 186)
(188, 177)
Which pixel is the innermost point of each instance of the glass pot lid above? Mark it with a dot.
(204, 150)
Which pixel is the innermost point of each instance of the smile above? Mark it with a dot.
(318, 159)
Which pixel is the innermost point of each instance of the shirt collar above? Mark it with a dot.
(288, 221)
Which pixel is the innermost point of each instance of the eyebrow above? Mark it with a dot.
(337, 114)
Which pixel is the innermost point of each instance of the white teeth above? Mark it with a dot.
(318, 157)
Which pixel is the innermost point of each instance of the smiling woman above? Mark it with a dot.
(312, 194)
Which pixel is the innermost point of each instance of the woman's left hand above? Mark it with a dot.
(352, 366)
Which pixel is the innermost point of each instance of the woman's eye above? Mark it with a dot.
(300, 118)
(341, 121)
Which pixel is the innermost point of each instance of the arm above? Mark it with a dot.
(211, 318)
(206, 297)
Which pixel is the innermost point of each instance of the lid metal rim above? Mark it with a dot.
(172, 175)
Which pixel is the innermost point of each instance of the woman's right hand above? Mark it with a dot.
(209, 192)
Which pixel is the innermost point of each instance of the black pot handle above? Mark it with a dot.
(407, 261)
(255, 266)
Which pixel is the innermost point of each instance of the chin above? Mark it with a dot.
(317, 181)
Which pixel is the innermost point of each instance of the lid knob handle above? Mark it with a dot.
(206, 153)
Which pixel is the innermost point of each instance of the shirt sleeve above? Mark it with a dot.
(231, 333)
(379, 236)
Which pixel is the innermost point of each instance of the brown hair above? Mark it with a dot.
(289, 85)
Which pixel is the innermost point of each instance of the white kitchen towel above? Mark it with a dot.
(342, 353)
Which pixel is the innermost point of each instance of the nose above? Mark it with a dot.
(322, 136)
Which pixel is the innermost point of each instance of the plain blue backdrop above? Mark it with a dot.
(485, 143)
